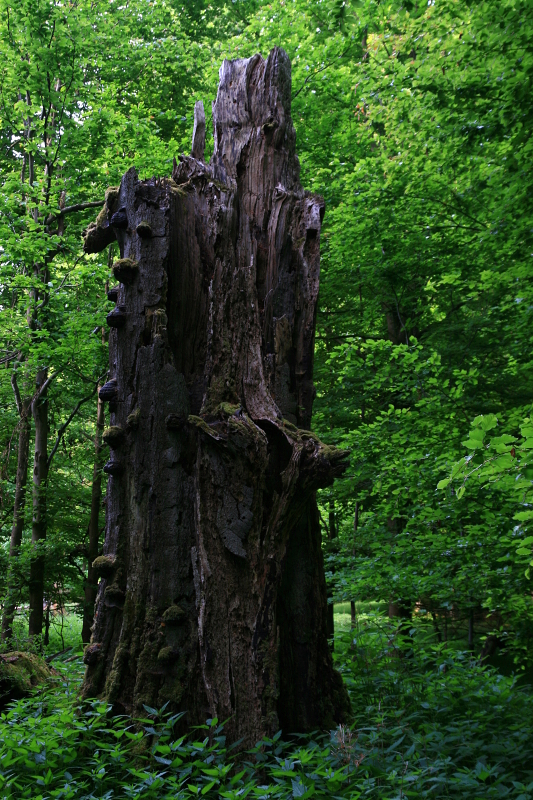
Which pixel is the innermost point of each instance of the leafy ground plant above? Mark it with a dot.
(431, 721)
(428, 722)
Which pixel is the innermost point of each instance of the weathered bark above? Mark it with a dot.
(213, 593)
(91, 583)
(23, 406)
(38, 528)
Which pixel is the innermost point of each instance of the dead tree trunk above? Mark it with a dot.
(213, 593)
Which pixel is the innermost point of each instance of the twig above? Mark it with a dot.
(56, 655)
(60, 212)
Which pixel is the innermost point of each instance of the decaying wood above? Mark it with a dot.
(213, 596)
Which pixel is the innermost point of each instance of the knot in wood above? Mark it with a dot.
(144, 230)
(174, 615)
(114, 436)
(133, 420)
(119, 219)
(104, 565)
(114, 596)
(113, 468)
(176, 421)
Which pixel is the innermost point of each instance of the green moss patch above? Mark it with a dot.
(113, 436)
(125, 270)
(174, 614)
(20, 673)
(133, 419)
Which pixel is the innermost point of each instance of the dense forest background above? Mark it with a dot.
(414, 122)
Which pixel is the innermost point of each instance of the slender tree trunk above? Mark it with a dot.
(353, 616)
(91, 584)
(332, 534)
(401, 607)
(18, 511)
(213, 594)
(38, 529)
(23, 407)
(436, 626)
(471, 630)
(46, 638)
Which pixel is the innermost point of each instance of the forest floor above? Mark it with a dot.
(428, 721)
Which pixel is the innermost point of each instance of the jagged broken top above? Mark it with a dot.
(254, 103)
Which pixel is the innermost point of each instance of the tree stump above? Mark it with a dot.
(213, 596)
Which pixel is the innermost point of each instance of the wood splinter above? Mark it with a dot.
(198, 134)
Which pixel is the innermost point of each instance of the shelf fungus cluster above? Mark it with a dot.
(212, 593)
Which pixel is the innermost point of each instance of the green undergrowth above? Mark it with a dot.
(427, 722)
(64, 634)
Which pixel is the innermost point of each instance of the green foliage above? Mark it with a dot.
(413, 123)
(504, 461)
(431, 721)
(52, 748)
